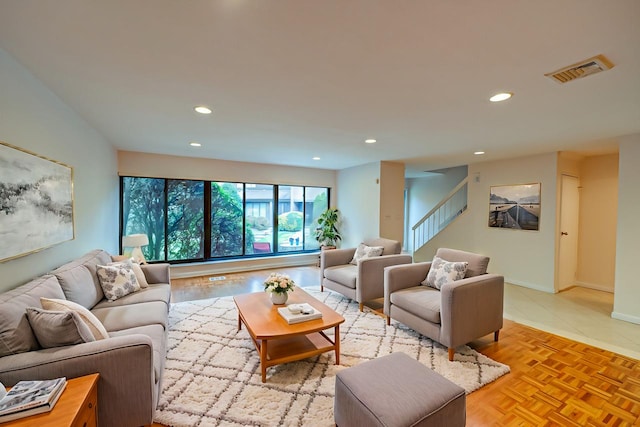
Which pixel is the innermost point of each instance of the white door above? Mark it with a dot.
(569, 209)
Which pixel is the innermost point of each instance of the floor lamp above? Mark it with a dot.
(136, 241)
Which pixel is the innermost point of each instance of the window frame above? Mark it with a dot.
(207, 219)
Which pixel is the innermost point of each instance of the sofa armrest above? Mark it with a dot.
(371, 275)
(156, 273)
(402, 276)
(125, 364)
(471, 308)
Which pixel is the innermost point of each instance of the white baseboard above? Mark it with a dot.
(595, 286)
(214, 268)
(626, 317)
(528, 285)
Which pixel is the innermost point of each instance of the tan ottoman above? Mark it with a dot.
(396, 391)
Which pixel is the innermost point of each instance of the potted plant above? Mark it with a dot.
(326, 233)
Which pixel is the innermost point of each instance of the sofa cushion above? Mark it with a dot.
(79, 280)
(97, 329)
(122, 317)
(16, 336)
(477, 263)
(443, 272)
(155, 292)
(363, 251)
(117, 280)
(344, 274)
(58, 328)
(421, 301)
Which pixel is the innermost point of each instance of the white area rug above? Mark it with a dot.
(212, 373)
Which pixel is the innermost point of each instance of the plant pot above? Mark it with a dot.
(279, 298)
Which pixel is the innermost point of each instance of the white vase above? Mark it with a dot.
(279, 298)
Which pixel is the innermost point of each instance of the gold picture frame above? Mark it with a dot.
(36, 202)
(515, 207)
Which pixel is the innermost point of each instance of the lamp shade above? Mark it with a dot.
(135, 240)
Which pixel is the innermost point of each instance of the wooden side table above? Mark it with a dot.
(76, 407)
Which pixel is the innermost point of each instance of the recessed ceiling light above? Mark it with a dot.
(478, 153)
(316, 158)
(202, 109)
(370, 141)
(502, 96)
(195, 144)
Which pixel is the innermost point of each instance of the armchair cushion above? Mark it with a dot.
(420, 301)
(343, 274)
(477, 263)
(364, 251)
(443, 272)
(391, 247)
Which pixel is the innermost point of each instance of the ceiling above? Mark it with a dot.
(292, 79)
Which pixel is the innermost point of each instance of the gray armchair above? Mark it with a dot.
(364, 281)
(456, 314)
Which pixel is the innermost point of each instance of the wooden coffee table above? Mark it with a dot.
(276, 340)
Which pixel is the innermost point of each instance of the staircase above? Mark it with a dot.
(438, 218)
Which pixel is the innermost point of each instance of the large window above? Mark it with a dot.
(209, 220)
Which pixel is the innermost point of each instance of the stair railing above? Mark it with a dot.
(449, 208)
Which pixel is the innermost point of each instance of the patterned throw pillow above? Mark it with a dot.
(95, 326)
(443, 272)
(117, 280)
(142, 279)
(363, 251)
(58, 328)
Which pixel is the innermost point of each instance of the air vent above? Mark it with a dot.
(581, 69)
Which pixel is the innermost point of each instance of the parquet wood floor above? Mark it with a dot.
(553, 381)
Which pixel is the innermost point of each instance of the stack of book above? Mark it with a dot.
(29, 398)
(296, 313)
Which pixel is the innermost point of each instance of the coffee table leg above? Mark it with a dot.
(337, 343)
(239, 322)
(263, 360)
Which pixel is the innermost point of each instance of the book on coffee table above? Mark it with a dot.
(307, 312)
(30, 397)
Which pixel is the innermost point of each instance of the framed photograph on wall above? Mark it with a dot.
(515, 206)
(36, 202)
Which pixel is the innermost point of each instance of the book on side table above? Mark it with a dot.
(296, 313)
(29, 398)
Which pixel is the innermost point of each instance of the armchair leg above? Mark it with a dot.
(321, 288)
(388, 320)
(452, 351)
(495, 335)
(360, 306)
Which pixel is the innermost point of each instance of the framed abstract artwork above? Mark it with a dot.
(36, 202)
(515, 206)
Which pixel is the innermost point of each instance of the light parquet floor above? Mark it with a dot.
(554, 381)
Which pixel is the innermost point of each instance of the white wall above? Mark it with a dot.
(598, 222)
(359, 203)
(162, 166)
(626, 304)
(34, 118)
(524, 257)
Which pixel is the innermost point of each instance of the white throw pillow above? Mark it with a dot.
(363, 251)
(117, 279)
(443, 272)
(95, 326)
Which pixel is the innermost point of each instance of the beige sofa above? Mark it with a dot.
(363, 281)
(130, 362)
(458, 313)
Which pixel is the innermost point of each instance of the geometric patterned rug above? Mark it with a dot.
(212, 372)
